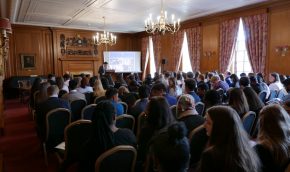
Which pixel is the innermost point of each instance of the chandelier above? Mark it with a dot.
(105, 37)
(162, 24)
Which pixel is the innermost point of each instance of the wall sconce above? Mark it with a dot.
(282, 50)
(208, 53)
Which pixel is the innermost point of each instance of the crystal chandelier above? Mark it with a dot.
(162, 25)
(105, 37)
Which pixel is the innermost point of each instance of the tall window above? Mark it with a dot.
(240, 61)
(184, 56)
(152, 67)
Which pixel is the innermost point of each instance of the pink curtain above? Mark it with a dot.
(156, 39)
(176, 48)
(144, 46)
(194, 45)
(256, 31)
(228, 38)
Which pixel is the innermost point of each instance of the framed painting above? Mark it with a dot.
(27, 61)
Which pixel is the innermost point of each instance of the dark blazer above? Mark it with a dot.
(43, 108)
(101, 70)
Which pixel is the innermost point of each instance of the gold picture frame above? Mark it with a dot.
(27, 61)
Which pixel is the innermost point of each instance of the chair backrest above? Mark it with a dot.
(141, 121)
(76, 108)
(56, 121)
(173, 109)
(88, 111)
(263, 95)
(248, 121)
(125, 121)
(89, 96)
(273, 94)
(75, 134)
(120, 158)
(99, 99)
(125, 106)
(199, 108)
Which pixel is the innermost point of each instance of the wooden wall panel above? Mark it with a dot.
(279, 36)
(210, 42)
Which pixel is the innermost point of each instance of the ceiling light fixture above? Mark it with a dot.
(162, 24)
(105, 37)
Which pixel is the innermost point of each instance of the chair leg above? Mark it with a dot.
(45, 154)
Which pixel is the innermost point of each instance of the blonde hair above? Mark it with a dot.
(122, 90)
(99, 89)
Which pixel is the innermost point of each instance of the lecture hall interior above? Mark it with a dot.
(173, 43)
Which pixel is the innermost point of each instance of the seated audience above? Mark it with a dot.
(238, 101)
(263, 85)
(275, 82)
(170, 150)
(244, 82)
(159, 117)
(229, 148)
(42, 95)
(286, 84)
(254, 102)
(66, 79)
(49, 104)
(228, 79)
(202, 88)
(216, 83)
(73, 94)
(85, 87)
(212, 98)
(254, 84)
(174, 89)
(35, 87)
(126, 96)
(187, 113)
(98, 89)
(159, 89)
(105, 136)
(273, 145)
(140, 104)
(61, 86)
(190, 88)
(235, 81)
(51, 79)
(112, 95)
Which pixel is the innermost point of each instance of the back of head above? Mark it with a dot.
(238, 101)
(59, 82)
(190, 84)
(215, 78)
(158, 88)
(234, 78)
(185, 102)
(84, 82)
(274, 131)
(72, 84)
(189, 75)
(253, 99)
(244, 81)
(228, 136)
(253, 80)
(52, 90)
(144, 91)
(111, 92)
(275, 76)
(103, 117)
(211, 98)
(171, 150)
(159, 113)
(66, 77)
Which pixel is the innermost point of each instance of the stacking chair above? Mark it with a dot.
(248, 121)
(76, 108)
(56, 121)
(141, 122)
(99, 99)
(199, 108)
(125, 106)
(262, 96)
(120, 158)
(125, 121)
(74, 136)
(88, 111)
(89, 96)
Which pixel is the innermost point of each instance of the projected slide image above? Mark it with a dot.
(123, 61)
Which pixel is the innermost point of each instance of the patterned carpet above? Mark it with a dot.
(20, 145)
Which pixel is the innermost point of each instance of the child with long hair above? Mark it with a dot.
(229, 147)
